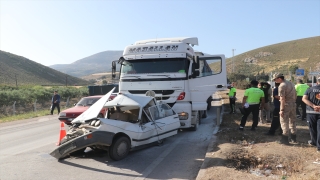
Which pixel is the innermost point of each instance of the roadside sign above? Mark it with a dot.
(314, 73)
(300, 72)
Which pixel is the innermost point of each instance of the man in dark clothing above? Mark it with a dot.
(55, 102)
(275, 124)
(312, 99)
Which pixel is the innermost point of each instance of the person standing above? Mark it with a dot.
(55, 102)
(255, 98)
(287, 113)
(265, 87)
(312, 98)
(232, 98)
(275, 124)
(301, 89)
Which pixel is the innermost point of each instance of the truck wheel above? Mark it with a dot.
(120, 148)
(204, 114)
(199, 114)
(209, 103)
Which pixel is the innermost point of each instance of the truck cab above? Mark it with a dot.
(176, 73)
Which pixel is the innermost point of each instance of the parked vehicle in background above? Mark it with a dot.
(131, 121)
(70, 114)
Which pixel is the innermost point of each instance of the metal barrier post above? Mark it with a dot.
(14, 108)
(218, 115)
(216, 101)
(67, 104)
(35, 106)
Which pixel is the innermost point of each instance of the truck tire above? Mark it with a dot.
(209, 103)
(120, 148)
(204, 114)
(200, 118)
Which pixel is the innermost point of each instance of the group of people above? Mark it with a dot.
(287, 97)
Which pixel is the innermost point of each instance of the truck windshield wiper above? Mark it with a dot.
(168, 76)
(131, 76)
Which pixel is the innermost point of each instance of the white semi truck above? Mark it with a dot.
(175, 73)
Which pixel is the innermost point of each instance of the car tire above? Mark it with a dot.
(120, 148)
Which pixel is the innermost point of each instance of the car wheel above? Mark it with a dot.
(120, 148)
(199, 114)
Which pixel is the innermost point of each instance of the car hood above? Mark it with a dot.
(93, 111)
(76, 109)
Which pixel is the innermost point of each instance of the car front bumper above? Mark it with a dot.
(87, 140)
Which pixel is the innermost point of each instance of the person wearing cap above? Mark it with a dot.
(301, 89)
(312, 99)
(255, 98)
(287, 112)
(232, 98)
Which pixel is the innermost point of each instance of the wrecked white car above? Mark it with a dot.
(131, 121)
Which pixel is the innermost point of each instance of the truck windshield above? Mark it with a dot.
(164, 65)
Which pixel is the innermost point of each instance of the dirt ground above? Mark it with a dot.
(254, 155)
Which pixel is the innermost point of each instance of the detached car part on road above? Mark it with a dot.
(131, 121)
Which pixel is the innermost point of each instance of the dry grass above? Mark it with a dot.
(251, 154)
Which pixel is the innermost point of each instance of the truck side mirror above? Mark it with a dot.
(113, 68)
(195, 67)
(196, 61)
(195, 71)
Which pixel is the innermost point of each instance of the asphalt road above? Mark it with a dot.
(25, 147)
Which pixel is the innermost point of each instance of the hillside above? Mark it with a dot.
(17, 69)
(303, 53)
(97, 63)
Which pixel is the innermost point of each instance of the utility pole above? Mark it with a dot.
(233, 60)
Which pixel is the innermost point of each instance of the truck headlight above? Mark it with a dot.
(62, 114)
(183, 116)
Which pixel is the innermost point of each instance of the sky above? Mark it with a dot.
(63, 31)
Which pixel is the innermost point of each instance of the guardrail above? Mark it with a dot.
(217, 102)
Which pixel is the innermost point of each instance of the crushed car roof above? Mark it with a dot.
(120, 100)
(129, 100)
